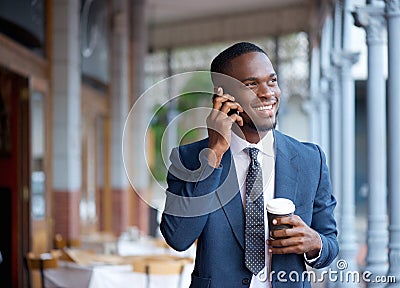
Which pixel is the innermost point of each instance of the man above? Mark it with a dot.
(243, 146)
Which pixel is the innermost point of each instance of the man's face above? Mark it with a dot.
(260, 98)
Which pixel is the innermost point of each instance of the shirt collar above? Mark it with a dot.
(266, 145)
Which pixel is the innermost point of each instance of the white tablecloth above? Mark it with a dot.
(98, 275)
(138, 248)
(70, 275)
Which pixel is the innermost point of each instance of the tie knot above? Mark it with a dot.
(253, 152)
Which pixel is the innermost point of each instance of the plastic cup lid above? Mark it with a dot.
(280, 206)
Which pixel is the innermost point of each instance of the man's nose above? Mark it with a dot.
(265, 91)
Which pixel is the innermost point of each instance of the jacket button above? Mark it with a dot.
(245, 281)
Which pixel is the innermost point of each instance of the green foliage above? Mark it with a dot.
(194, 94)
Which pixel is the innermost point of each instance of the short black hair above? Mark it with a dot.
(222, 61)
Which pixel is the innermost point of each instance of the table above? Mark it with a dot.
(96, 270)
(99, 243)
(72, 275)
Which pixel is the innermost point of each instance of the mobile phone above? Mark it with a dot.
(233, 111)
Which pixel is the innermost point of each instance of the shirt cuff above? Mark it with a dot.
(309, 261)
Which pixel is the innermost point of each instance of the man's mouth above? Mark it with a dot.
(264, 108)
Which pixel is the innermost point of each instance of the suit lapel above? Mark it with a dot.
(286, 169)
(231, 202)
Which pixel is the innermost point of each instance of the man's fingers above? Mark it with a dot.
(285, 250)
(286, 246)
(290, 220)
(218, 90)
(238, 119)
(223, 98)
(286, 242)
(220, 95)
(219, 101)
(282, 233)
(228, 106)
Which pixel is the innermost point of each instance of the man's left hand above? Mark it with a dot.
(298, 240)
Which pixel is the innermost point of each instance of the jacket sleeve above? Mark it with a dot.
(323, 220)
(190, 197)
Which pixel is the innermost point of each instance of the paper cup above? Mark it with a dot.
(277, 208)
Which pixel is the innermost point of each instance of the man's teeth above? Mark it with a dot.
(262, 108)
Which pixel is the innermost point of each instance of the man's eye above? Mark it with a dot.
(251, 84)
(273, 81)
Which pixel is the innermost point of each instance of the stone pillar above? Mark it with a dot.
(66, 90)
(336, 122)
(312, 105)
(139, 167)
(325, 91)
(393, 24)
(336, 149)
(347, 235)
(336, 114)
(326, 94)
(172, 131)
(119, 112)
(372, 19)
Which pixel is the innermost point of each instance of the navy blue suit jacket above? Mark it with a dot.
(216, 218)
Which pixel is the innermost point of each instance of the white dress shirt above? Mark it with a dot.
(266, 157)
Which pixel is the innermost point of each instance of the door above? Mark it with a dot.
(14, 176)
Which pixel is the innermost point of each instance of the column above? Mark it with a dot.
(66, 85)
(347, 235)
(139, 166)
(336, 114)
(372, 19)
(393, 24)
(325, 91)
(336, 122)
(325, 102)
(172, 131)
(119, 111)
(312, 105)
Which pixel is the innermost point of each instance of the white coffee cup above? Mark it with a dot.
(277, 208)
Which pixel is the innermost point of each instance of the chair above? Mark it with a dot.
(74, 243)
(160, 242)
(40, 263)
(59, 242)
(159, 266)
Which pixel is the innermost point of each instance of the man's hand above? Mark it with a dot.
(219, 126)
(299, 239)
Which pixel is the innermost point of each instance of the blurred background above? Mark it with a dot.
(70, 72)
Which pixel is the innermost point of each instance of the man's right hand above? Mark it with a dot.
(219, 126)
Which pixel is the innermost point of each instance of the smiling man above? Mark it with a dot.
(234, 247)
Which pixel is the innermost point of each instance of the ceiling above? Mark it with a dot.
(167, 11)
(177, 23)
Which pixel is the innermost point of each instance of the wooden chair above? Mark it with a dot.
(74, 243)
(159, 266)
(160, 242)
(59, 242)
(40, 263)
